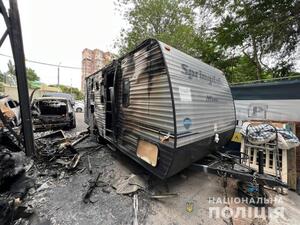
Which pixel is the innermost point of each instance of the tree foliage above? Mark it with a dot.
(10, 74)
(266, 32)
(31, 75)
(1, 76)
(171, 21)
(78, 95)
(247, 39)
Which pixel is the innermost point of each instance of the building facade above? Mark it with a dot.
(93, 60)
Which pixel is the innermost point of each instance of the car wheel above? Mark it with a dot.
(79, 110)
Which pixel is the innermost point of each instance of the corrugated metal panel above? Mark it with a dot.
(202, 97)
(150, 110)
(99, 113)
(276, 110)
(277, 100)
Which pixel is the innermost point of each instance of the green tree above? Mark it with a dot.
(1, 76)
(266, 32)
(31, 75)
(11, 69)
(170, 21)
(70, 90)
(246, 39)
(10, 74)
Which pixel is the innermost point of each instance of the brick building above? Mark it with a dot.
(93, 60)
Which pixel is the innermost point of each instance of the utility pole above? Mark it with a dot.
(58, 68)
(71, 86)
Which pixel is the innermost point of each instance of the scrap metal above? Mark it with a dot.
(92, 186)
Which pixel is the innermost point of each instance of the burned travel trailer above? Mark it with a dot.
(160, 106)
(52, 113)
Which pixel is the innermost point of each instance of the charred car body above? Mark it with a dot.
(160, 106)
(11, 111)
(52, 113)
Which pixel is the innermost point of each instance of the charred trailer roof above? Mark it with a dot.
(162, 107)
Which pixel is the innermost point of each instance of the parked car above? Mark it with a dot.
(11, 110)
(52, 112)
(79, 106)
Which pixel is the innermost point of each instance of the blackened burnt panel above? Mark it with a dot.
(147, 110)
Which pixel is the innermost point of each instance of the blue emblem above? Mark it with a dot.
(187, 122)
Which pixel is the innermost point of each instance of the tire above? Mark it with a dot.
(79, 110)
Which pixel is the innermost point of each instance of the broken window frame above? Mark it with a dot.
(10, 103)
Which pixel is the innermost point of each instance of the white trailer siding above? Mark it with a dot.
(202, 97)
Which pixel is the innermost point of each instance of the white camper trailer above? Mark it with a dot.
(160, 106)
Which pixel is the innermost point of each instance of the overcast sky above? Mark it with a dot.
(57, 31)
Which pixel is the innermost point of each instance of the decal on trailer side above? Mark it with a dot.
(199, 75)
(185, 94)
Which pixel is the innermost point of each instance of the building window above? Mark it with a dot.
(126, 93)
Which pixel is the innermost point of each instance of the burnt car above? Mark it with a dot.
(11, 111)
(60, 95)
(52, 113)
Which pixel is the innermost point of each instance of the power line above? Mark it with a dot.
(45, 64)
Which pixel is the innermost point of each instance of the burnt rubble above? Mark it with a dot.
(55, 156)
(14, 185)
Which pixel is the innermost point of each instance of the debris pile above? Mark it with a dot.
(56, 147)
(14, 185)
(55, 154)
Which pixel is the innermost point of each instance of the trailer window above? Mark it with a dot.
(102, 92)
(126, 92)
(92, 84)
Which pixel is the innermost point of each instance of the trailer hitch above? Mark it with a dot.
(223, 164)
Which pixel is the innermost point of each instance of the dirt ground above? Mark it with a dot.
(59, 198)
